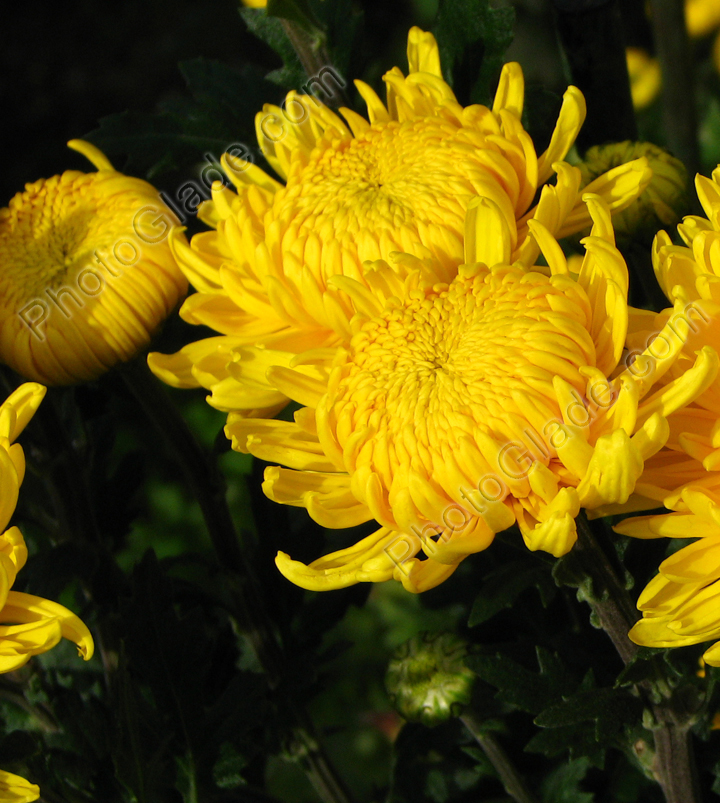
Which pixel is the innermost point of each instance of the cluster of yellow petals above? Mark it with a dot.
(29, 625)
(457, 408)
(86, 272)
(681, 605)
(359, 190)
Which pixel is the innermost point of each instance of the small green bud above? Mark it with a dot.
(661, 204)
(427, 679)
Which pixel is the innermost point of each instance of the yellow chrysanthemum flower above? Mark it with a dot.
(357, 191)
(86, 272)
(645, 76)
(681, 605)
(690, 278)
(29, 625)
(14, 789)
(460, 405)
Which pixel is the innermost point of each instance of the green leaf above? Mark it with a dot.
(428, 764)
(563, 784)
(501, 588)
(270, 30)
(218, 116)
(472, 38)
(520, 687)
(576, 740)
(609, 709)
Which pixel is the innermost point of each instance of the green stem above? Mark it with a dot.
(511, 779)
(612, 603)
(314, 59)
(208, 486)
(678, 92)
(674, 768)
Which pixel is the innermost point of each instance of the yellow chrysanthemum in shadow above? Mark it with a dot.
(645, 76)
(681, 605)
(663, 200)
(689, 276)
(358, 190)
(461, 405)
(14, 789)
(86, 272)
(29, 625)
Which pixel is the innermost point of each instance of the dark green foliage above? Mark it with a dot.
(218, 116)
(504, 585)
(473, 37)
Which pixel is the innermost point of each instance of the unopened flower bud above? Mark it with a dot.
(664, 200)
(427, 679)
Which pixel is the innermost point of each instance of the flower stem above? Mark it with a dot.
(509, 776)
(315, 61)
(208, 486)
(612, 603)
(674, 768)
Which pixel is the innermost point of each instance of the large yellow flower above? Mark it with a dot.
(86, 272)
(681, 605)
(358, 190)
(461, 405)
(29, 625)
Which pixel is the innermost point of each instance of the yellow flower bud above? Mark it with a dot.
(663, 201)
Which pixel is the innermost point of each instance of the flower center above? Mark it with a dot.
(478, 355)
(391, 177)
(54, 227)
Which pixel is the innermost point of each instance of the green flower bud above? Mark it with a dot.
(663, 201)
(427, 679)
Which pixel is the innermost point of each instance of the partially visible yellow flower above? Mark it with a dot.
(14, 789)
(358, 190)
(29, 625)
(701, 16)
(86, 272)
(255, 3)
(681, 605)
(458, 407)
(645, 76)
(661, 203)
(689, 275)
